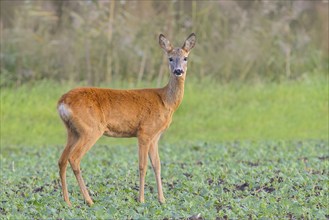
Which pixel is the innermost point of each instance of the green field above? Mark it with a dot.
(233, 151)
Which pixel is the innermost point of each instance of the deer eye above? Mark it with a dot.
(171, 59)
(185, 58)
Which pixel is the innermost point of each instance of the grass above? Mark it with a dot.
(289, 110)
(209, 112)
(235, 180)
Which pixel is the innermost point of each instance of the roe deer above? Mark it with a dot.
(89, 113)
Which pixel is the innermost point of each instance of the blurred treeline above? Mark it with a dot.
(103, 41)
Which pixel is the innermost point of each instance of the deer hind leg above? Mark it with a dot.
(143, 146)
(63, 161)
(155, 160)
(83, 145)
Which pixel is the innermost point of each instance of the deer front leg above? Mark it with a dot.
(156, 164)
(142, 156)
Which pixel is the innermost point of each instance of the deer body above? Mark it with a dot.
(119, 113)
(89, 113)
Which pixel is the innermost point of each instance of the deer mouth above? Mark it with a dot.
(178, 74)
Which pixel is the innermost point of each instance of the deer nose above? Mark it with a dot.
(178, 72)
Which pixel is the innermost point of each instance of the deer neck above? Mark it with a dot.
(174, 91)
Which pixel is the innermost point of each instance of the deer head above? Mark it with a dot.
(177, 56)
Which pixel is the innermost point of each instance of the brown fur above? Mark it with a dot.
(89, 113)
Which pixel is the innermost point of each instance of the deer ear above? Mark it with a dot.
(165, 44)
(189, 42)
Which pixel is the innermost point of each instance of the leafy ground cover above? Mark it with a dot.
(279, 179)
